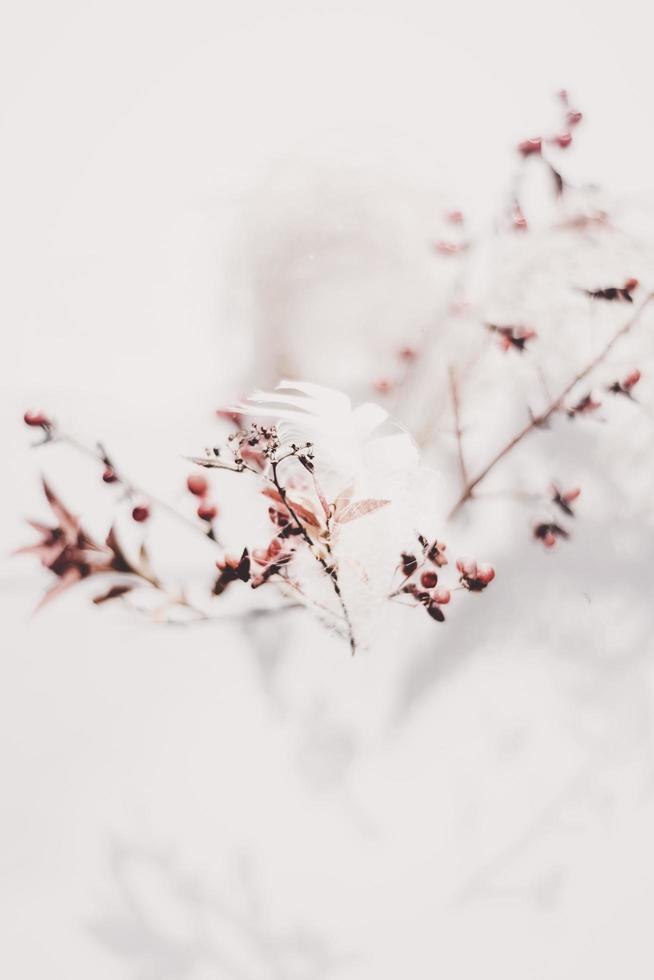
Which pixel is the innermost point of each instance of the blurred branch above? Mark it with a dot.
(538, 421)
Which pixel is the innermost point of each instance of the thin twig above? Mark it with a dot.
(456, 410)
(537, 421)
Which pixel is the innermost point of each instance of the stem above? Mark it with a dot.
(456, 409)
(330, 569)
(537, 421)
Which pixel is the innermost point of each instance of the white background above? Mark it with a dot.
(182, 804)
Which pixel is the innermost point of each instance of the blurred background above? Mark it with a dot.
(200, 197)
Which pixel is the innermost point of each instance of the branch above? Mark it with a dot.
(330, 569)
(132, 489)
(537, 421)
(456, 409)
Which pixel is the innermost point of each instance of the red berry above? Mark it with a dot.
(36, 419)
(207, 512)
(631, 379)
(442, 596)
(530, 146)
(197, 485)
(428, 580)
(485, 573)
(574, 118)
(109, 475)
(141, 513)
(563, 140)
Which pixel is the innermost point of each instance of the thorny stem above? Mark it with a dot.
(538, 421)
(329, 567)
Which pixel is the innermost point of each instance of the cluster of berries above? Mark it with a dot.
(563, 139)
(421, 581)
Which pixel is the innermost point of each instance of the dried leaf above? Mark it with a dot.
(359, 509)
(302, 512)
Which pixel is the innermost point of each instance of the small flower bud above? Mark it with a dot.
(574, 117)
(37, 419)
(530, 146)
(109, 475)
(428, 580)
(630, 285)
(408, 353)
(441, 596)
(563, 140)
(141, 513)
(448, 248)
(454, 217)
(382, 386)
(197, 485)
(631, 379)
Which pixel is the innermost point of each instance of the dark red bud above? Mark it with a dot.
(409, 563)
(207, 512)
(141, 513)
(428, 580)
(109, 475)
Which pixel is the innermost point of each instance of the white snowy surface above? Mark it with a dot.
(466, 800)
